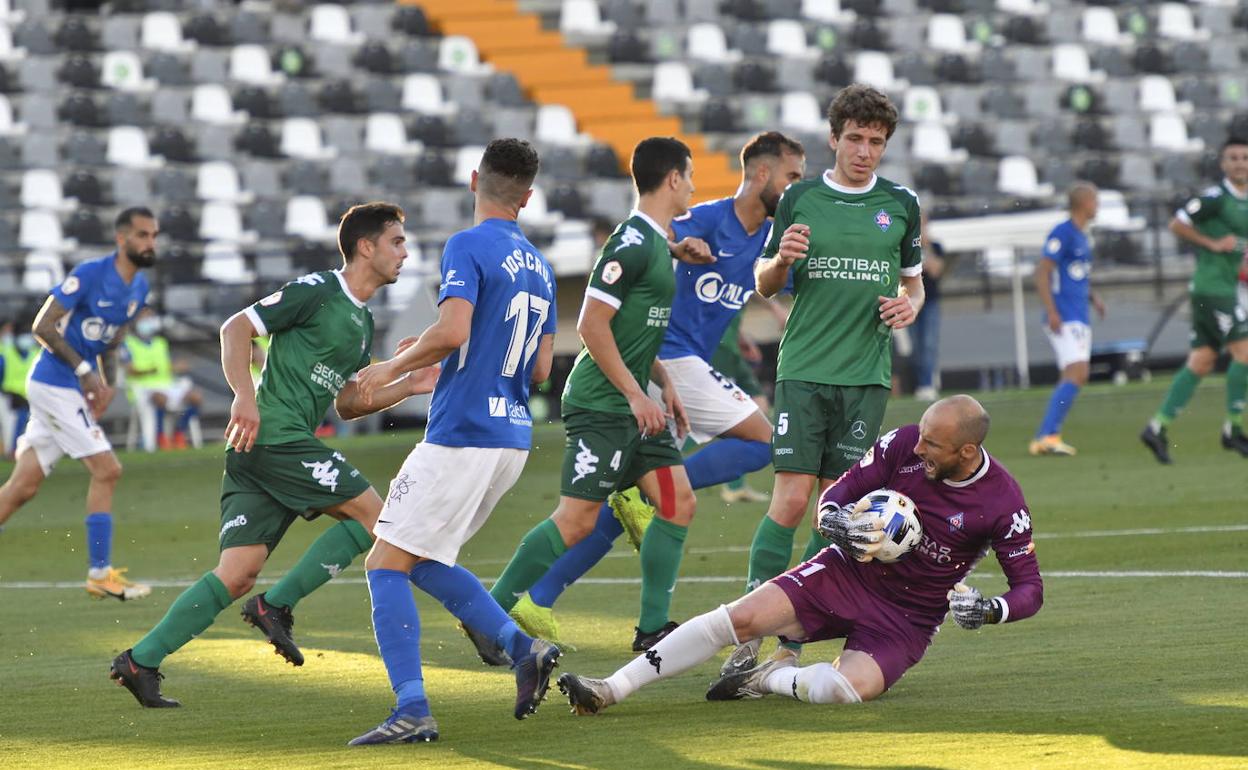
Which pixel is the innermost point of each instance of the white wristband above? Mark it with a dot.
(83, 369)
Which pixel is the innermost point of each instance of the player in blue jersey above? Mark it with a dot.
(707, 298)
(71, 384)
(1062, 283)
(494, 336)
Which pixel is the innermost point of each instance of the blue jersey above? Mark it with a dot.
(709, 296)
(100, 304)
(482, 397)
(1068, 247)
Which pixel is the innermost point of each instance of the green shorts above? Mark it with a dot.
(605, 452)
(821, 430)
(1217, 321)
(729, 362)
(263, 491)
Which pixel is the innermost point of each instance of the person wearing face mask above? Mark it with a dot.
(17, 353)
(159, 385)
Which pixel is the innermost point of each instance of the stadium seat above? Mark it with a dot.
(8, 52)
(9, 127)
(41, 189)
(127, 146)
(1023, 7)
(42, 271)
(946, 32)
(86, 228)
(787, 38)
(224, 263)
(922, 104)
(1100, 26)
(222, 221)
(124, 71)
(800, 112)
(827, 12)
(250, 63)
(332, 24)
(875, 68)
(557, 125)
(41, 230)
(306, 218)
(211, 103)
(457, 53)
(86, 188)
(161, 31)
(218, 181)
(1071, 63)
(673, 83)
(536, 214)
(706, 42)
(931, 142)
(76, 33)
(1016, 175)
(1156, 94)
(466, 160)
(385, 133)
(130, 187)
(206, 29)
(1175, 21)
(423, 93)
(1169, 132)
(582, 23)
(1137, 172)
(301, 138)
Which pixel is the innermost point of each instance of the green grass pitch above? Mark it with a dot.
(1131, 663)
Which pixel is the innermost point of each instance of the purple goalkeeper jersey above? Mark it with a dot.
(961, 521)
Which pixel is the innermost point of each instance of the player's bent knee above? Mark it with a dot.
(823, 683)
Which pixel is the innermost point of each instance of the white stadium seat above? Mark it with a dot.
(385, 133)
(457, 53)
(223, 263)
(1017, 176)
(536, 213)
(946, 32)
(306, 218)
(123, 71)
(301, 138)
(212, 103)
(43, 270)
(827, 11)
(673, 82)
(161, 31)
(222, 221)
(582, 20)
(1071, 63)
(1169, 132)
(219, 181)
(466, 161)
(787, 38)
(41, 230)
(922, 104)
(800, 111)
(422, 93)
(557, 125)
(1099, 25)
(1174, 21)
(41, 189)
(931, 142)
(706, 42)
(250, 64)
(127, 146)
(332, 24)
(875, 68)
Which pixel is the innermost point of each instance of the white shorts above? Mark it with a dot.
(174, 394)
(1073, 344)
(714, 403)
(60, 424)
(442, 495)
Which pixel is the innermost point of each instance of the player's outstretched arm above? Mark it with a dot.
(1188, 232)
(236, 335)
(594, 326)
(351, 406)
(443, 337)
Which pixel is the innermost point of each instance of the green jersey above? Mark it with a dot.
(321, 335)
(1216, 213)
(861, 242)
(634, 275)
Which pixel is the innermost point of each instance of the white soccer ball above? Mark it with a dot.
(898, 517)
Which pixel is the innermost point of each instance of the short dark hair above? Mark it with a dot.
(864, 105)
(771, 144)
(508, 168)
(655, 158)
(127, 215)
(1234, 141)
(365, 220)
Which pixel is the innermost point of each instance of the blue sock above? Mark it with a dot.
(21, 418)
(465, 598)
(100, 539)
(1059, 404)
(396, 625)
(724, 460)
(578, 559)
(160, 422)
(184, 421)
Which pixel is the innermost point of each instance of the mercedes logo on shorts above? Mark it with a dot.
(858, 430)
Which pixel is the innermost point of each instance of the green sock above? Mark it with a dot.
(770, 552)
(737, 483)
(816, 544)
(188, 616)
(538, 550)
(1236, 392)
(661, 551)
(328, 555)
(1181, 390)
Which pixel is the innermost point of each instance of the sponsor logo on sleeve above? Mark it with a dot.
(1022, 523)
(1030, 548)
(70, 285)
(311, 279)
(1052, 246)
(612, 272)
(630, 237)
(1192, 207)
(272, 299)
(450, 280)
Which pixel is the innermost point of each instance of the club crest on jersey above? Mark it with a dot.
(956, 521)
(612, 272)
(883, 220)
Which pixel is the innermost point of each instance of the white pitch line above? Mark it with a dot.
(632, 581)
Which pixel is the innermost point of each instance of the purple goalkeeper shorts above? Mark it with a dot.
(831, 602)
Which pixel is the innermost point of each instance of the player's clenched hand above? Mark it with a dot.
(1054, 322)
(423, 380)
(244, 425)
(794, 243)
(860, 537)
(694, 251)
(970, 609)
(373, 377)
(897, 312)
(650, 419)
(1225, 244)
(103, 396)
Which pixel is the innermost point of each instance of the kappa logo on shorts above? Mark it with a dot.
(586, 461)
(324, 473)
(333, 569)
(238, 521)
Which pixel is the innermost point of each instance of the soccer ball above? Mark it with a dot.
(900, 521)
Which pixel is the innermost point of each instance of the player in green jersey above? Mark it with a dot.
(1216, 222)
(276, 471)
(617, 436)
(849, 239)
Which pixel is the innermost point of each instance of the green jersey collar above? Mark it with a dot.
(868, 187)
(345, 289)
(645, 218)
(1235, 193)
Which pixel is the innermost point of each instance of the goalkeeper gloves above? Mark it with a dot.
(860, 537)
(971, 610)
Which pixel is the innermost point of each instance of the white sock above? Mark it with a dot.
(692, 643)
(820, 683)
(97, 573)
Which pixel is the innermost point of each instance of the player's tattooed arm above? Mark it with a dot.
(49, 336)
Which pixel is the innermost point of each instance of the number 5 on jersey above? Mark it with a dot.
(524, 340)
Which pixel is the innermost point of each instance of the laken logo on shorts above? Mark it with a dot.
(324, 473)
(238, 521)
(586, 461)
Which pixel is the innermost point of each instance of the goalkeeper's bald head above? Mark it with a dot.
(963, 419)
